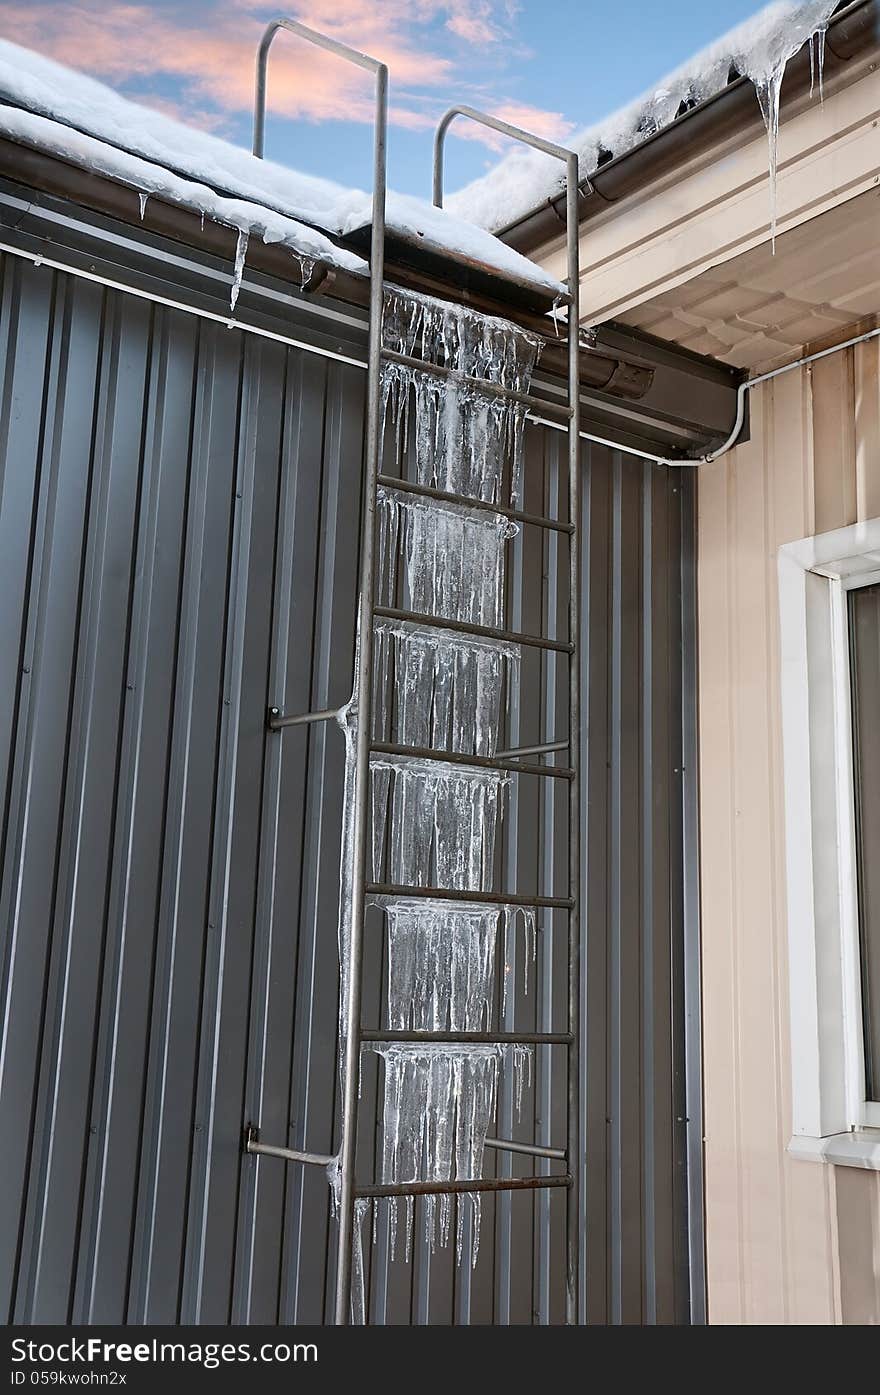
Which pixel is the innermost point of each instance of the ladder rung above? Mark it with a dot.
(489, 898)
(444, 496)
(427, 753)
(480, 1184)
(486, 1038)
(439, 622)
(483, 385)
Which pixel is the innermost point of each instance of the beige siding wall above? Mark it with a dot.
(786, 1241)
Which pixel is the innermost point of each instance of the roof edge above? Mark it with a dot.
(852, 33)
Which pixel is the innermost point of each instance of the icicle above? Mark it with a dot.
(358, 1274)
(438, 1102)
(382, 679)
(453, 557)
(346, 717)
(392, 1225)
(333, 1172)
(410, 1202)
(764, 56)
(449, 687)
(441, 964)
(202, 220)
(142, 201)
(379, 785)
(507, 970)
(443, 822)
(769, 91)
(463, 436)
(522, 1070)
(454, 336)
(820, 61)
(525, 916)
(241, 247)
(306, 268)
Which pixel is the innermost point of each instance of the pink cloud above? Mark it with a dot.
(552, 125)
(209, 50)
(215, 61)
(476, 23)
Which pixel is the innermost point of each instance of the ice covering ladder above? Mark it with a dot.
(512, 760)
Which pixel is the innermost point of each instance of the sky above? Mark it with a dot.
(548, 65)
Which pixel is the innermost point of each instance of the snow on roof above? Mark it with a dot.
(758, 49)
(148, 178)
(83, 121)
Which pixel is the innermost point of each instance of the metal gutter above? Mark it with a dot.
(635, 389)
(60, 212)
(734, 111)
(286, 315)
(735, 434)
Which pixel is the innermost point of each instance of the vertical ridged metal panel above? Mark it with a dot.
(178, 551)
(786, 1243)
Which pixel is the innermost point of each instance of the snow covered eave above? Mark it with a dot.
(79, 119)
(32, 165)
(432, 242)
(854, 32)
(308, 251)
(66, 216)
(53, 174)
(27, 166)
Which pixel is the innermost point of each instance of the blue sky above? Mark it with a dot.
(550, 64)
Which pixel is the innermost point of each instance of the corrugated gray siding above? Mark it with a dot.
(178, 550)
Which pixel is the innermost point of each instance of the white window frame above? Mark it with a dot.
(832, 1119)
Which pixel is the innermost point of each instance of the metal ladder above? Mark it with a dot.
(508, 761)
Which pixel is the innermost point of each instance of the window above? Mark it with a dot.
(864, 639)
(829, 598)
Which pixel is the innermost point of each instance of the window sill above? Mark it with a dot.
(861, 1148)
